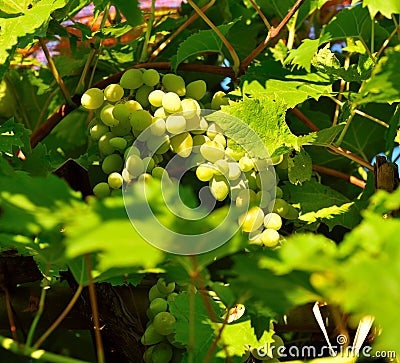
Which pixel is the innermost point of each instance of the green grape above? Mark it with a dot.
(158, 305)
(154, 293)
(219, 100)
(121, 112)
(140, 120)
(113, 92)
(115, 180)
(273, 221)
(171, 102)
(252, 220)
(142, 95)
(126, 176)
(162, 323)
(133, 105)
(193, 123)
(220, 139)
(147, 354)
(174, 83)
(175, 124)
(234, 171)
(234, 154)
(279, 206)
(265, 180)
(263, 198)
(107, 117)
(292, 213)
(160, 112)
(219, 187)
(199, 140)
(119, 143)
(172, 340)
(148, 163)
(251, 177)
(278, 192)
(246, 164)
(205, 172)
(104, 145)
(122, 129)
(277, 160)
(182, 144)
(283, 162)
(270, 237)
(201, 127)
(213, 130)
(131, 79)
(165, 288)
(92, 99)
(261, 164)
(151, 336)
(98, 130)
(135, 165)
(112, 163)
(158, 127)
(162, 353)
(222, 167)
(159, 143)
(212, 151)
(245, 197)
(196, 89)
(101, 190)
(151, 77)
(158, 172)
(190, 108)
(155, 98)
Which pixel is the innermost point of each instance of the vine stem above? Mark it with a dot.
(231, 50)
(10, 315)
(179, 30)
(338, 174)
(261, 14)
(20, 349)
(149, 28)
(272, 34)
(95, 310)
(55, 73)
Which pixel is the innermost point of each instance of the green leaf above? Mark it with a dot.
(266, 118)
(394, 125)
(303, 55)
(270, 79)
(131, 10)
(32, 20)
(384, 85)
(385, 7)
(203, 41)
(300, 167)
(323, 137)
(13, 135)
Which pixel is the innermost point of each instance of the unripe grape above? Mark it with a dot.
(158, 127)
(115, 180)
(134, 165)
(252, 220)
(158, 172)
(270, 237)
(131, 79)
(234, 171)
(219, 100)
(123, 128)
(142, 95)
(263, 198)
(175, 124)
(112, 163)
(292, 213)
(273, 221)
(219, 187)
(205, 172)
(162, 323)
(233, 154)
(265, 180)
(158, 305)
(165, 288)
(98, 130)
(155, 98)
(121, 112)
(133, 105)
(278, 192)
(101, 190)
(148, 163)
(196, 89)
(147, 354)
(174, 83)
(160, 112)
(171, 102)
(151, 336)
(92, 99)
(279, 206)
(104, 145)
(113, 92)
(193, 123)
(162, 353)
(245, 197)
(222, 167)
(106, 116)
(199, 140)
(151, 77)
(140, 120)
(277, 159)
(213, 130)
(220, 139)
(212, 151)
(190, 108)
(119, 143)
(182, 144)
(246, 164)
(251, 177)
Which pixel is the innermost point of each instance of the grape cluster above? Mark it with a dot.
(164, 115)
(159, 336)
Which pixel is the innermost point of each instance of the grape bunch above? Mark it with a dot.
(146, 119)
(159, 336)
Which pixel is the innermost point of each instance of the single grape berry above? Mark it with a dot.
(131, 79)
(175, 124)
(171, 102)
(162, 323)
(219, 100)
(182, 144)
(174, 83)
(219, 187)
(155, 98)
(113, 92)
(151, 77)
(164, 287)
(112, 163)
(151, 336)
(273, 221)
(212, 151)
(101, 190)
(162, 353)
(196, 89)
(270, 237)
(252, 220)
(106, 115)
(92, 99)
(158, 305)
(115, 180)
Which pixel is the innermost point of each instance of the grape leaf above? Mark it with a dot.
(391, 132)
(323, 137)
(299, 167)
(32, 20)
(203, 41)
(303, 54)
(13, 135)
(385, 7)
(272, 80)
(131, 11)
